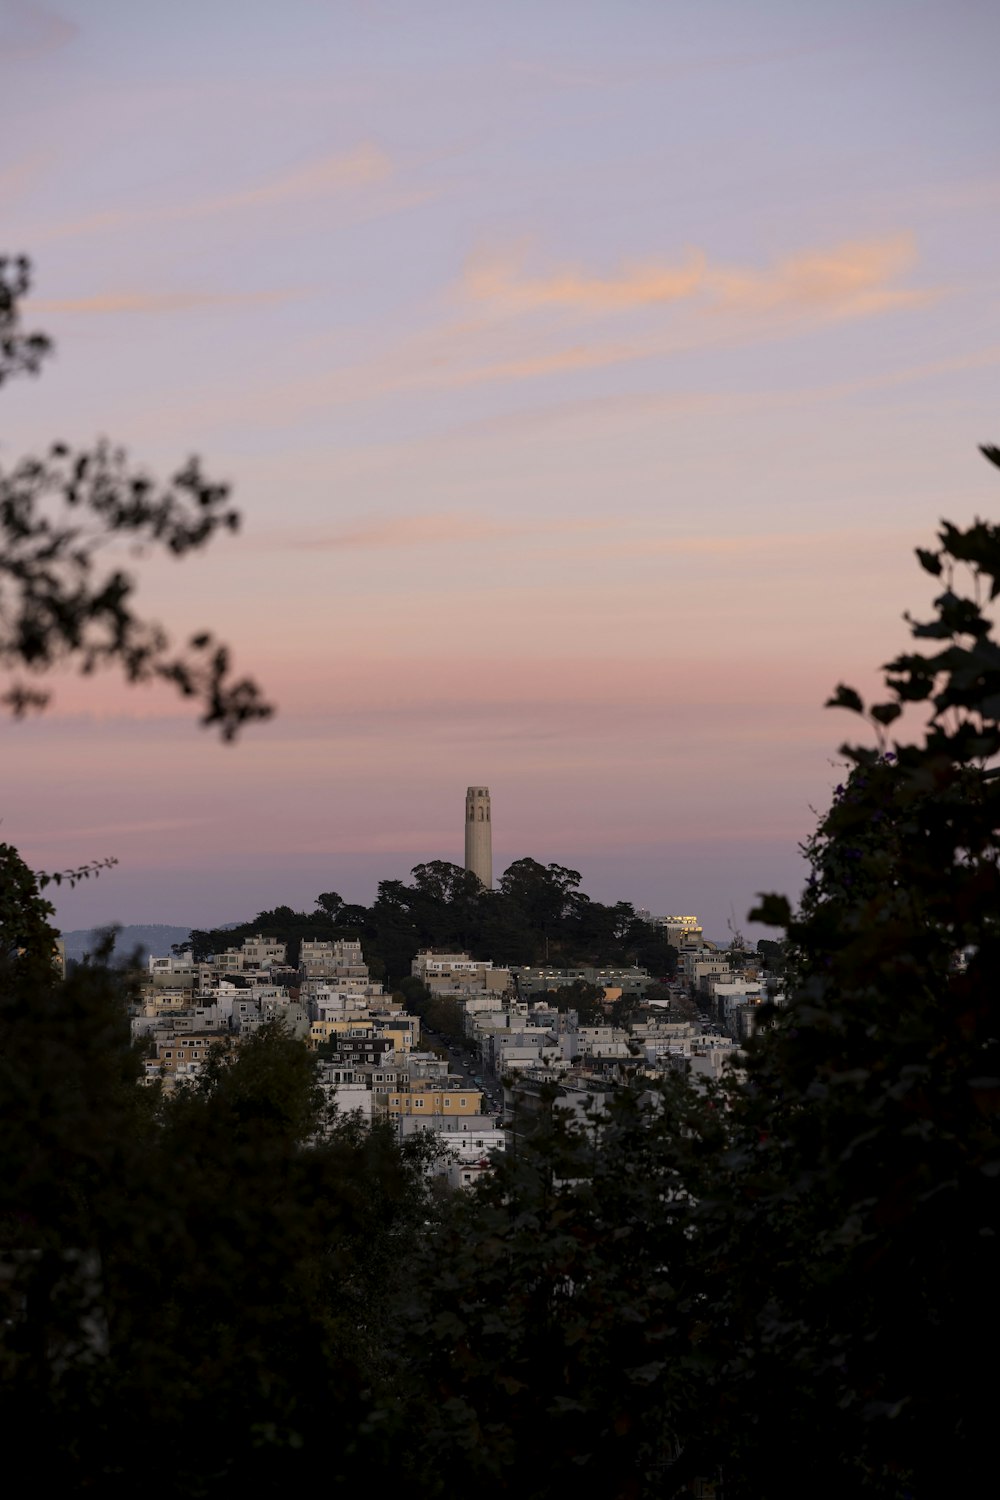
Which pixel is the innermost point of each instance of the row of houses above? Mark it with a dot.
(520, 1037)
(517, 1034)
(370, 1063)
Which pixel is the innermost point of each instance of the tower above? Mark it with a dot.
(479, 834)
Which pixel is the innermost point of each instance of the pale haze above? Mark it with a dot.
(586, 374)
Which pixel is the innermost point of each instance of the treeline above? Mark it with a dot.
(784, 1284)
(537, 914)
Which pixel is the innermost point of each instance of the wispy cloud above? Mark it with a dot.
(365, 165)
(850, 279)
(498, 281)
(153, 302)
(436, 528)
(853, 278)
(28, 30)
(113, 829)
(529, 328)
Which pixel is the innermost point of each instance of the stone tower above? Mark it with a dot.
(479, 834)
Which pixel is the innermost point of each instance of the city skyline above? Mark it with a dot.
(585, 377)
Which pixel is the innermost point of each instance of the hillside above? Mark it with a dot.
(152, 938)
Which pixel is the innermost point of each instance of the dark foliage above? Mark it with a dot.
(865, 1162)
(555, 1322)
(193, 1286)
(62, 603)
(788, 1278)
(536, 915)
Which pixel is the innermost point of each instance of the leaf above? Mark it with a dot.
(885, 713)
(772, 910)
(846, 697)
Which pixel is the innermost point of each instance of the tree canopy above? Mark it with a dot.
(536, 915)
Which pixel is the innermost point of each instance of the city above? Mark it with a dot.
(589, 408)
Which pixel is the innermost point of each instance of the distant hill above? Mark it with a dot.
(154, 939)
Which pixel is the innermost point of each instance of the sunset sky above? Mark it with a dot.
(586, 372)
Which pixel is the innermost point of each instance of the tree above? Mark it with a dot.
(865, 1158)
(546, 894)
(60, 604)
(553, 1320)
(824, 1227)
(652, 951)
(226, 1237)
(586, 999)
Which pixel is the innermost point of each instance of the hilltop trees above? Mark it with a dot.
(536, 915)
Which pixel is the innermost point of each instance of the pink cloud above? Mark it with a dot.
(498, 281)
(28, 30)
(854, 277)
(365, 165)
(154, 302)
(444, 527)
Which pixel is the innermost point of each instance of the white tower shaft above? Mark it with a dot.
(479, 834)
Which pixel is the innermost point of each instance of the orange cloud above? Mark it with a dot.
(497, 281)
(854, 277)
(366, 164)
(732, 308)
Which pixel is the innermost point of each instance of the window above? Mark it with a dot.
(462, 1103)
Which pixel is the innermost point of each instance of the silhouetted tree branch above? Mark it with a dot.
(60, 602)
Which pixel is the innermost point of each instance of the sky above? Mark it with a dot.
(585, 371)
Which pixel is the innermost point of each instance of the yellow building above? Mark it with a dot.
(325, 1031)
(402, 1031)
(432, 1099)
